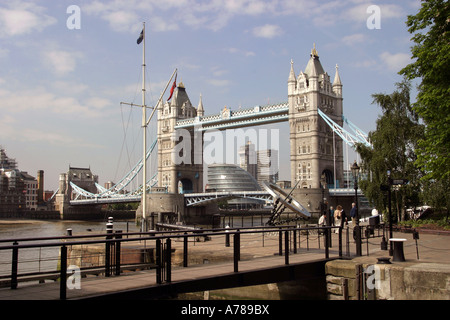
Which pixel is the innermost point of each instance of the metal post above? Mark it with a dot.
(118, 245)
(327, 248)
(15, 262)
(286, 247)
(340, 242)
(169, 260)
(294, 237)
(185, 250)
(63, 274)
(280, 242)
(158, 262)
(236, 252)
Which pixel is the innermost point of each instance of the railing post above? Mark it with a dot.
(286, 247)
(107, 257)
(63, 274)
(185, 250)
(280, 242)
(294, 237)
(236, 251)
(118, 245)
(14, 264)
(340, 243)
(327, 248)
(158, 261)
(169, 260)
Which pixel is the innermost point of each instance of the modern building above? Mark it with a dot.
(230, 177)
(248, 159)
(267, 166)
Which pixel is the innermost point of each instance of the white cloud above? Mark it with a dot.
(59, 61)
(354, 39)
(21, 18)
(396, 61)
(267, 31)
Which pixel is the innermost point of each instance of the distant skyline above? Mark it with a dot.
(67, 65)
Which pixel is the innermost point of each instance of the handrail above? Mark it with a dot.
(163, 240)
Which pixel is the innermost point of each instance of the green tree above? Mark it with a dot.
(394, 142)
(431, 51)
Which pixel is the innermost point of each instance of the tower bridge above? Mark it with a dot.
(314, 111)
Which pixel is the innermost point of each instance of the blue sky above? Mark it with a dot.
(61, 88)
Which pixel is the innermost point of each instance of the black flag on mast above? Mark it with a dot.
(141, 37)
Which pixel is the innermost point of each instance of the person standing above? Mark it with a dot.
(332, 215)
(337, 217)
(353, 214)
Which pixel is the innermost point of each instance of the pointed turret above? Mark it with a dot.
(337, 84)
(314, 67)
(292, 82)
(200, 110)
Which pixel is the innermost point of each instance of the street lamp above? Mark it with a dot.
(355, 172)
(323, 206)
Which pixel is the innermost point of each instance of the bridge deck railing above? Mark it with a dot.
(57, 257)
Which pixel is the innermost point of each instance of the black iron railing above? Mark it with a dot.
(112, 260)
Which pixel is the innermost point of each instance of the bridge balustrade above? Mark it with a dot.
(248, 243)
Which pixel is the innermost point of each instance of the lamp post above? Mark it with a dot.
(391, 251)
(323, 207)
(357, 230)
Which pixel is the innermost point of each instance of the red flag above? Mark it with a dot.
(173, 88)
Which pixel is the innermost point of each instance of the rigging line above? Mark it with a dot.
(125, 129)
(124, 143)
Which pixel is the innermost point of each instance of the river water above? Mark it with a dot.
(46, 259)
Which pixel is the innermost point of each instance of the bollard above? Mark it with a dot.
(109, 230)
(227, 236)
(69, 232)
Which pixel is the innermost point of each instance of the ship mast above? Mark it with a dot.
(145, 123)
(144, 126)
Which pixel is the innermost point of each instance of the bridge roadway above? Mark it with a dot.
(211, 267)
(194, 199)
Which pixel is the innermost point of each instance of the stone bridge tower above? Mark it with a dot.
(315, 148)
(180, 152)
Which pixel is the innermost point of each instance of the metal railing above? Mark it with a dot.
(112, 260)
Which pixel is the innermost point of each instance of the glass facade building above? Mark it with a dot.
(230, 177)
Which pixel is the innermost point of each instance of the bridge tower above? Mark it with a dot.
(315, 148)
(180, 152)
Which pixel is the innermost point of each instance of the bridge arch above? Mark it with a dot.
(185, 185)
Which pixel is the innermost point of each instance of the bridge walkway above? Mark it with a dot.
(211, 267)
